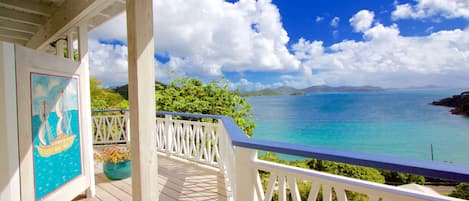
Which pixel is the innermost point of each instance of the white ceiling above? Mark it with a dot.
(21, 21)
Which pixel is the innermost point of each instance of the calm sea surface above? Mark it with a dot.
(398, 123)
(50, 173)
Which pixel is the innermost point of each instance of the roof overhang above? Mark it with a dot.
(38, 23)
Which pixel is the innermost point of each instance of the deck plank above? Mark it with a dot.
(178, 179)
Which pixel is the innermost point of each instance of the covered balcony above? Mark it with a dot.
(214, 160)
(175, 156)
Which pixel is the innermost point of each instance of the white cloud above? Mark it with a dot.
(208, 36)
(382, 33)
(108, 62)
(306, 49)
(430, 8)
(246, 85)
(52, 84)
(319, 19)
(39, 91)
(388, 59)
(335, 22)
(429, 29)
(335, 33)
(362, 20)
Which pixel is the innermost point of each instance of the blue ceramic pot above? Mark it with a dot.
(116, 171)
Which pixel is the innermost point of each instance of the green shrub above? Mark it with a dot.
(461, 191)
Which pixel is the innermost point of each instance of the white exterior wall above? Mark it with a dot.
(9, 164)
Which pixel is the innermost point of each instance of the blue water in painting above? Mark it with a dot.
(56, 170)
(398, 123)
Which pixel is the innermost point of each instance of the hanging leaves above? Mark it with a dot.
(190, 95)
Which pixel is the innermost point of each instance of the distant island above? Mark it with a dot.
(310, 90)
(459, 103)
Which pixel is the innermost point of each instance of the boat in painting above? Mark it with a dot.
(63, 139)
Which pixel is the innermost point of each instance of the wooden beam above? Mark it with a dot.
(69, 14)
(28, 7)
(104, 15)
(17, 26)
(142, 100)
(13, 40)
(15, 34)
(22, 17)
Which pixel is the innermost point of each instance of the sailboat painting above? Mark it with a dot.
(56, 133)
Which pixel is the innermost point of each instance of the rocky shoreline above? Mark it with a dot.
(459, 103)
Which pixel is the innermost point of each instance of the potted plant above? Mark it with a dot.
(116, 162)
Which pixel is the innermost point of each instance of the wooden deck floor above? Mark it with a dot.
(178, 180)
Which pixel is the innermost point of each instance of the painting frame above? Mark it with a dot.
(56, 132)
(31, 64)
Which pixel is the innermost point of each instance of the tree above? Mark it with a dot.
(399, 178)
(461, 191)
(124, 89)
(102, 98)
(190, 95)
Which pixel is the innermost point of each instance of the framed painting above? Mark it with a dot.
(53, 126)
(56, 132)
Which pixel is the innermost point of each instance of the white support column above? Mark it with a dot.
(9, 167)
(142, 100)
(59, 48)
(84, 61)
(127, 127)
(70, 45)
(169, 133)
(245, 174)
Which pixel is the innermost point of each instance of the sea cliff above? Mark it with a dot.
(459, 103)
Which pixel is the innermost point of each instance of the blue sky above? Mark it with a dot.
(311, 19)
(266, 44)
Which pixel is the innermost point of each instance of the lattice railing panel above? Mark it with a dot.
(109, 129)
(283, 181)
(192, 140)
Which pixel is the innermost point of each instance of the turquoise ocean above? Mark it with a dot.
(399, 123)
(51, 173)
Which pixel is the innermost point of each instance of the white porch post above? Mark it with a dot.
(245, 174)
(70, 45)
(9, 167)
(60, 45)
(169, 133)
(142, 99)
(84, 60)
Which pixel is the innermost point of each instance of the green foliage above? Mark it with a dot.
(399, 178)
(461, 191)
(102, 98)
(190, 95)
(124, 89)
(353, 171)
(75, 53)
(269, 156)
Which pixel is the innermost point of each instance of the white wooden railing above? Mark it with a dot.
(212, 144)
(191, 140)
(108, 129)
(283, 178)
